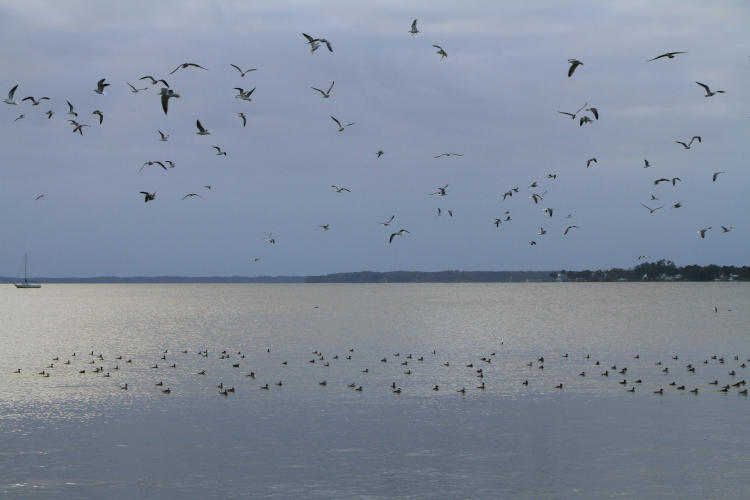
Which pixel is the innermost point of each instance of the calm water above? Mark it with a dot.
(79, 435)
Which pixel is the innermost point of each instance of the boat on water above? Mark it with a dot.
(26, 283)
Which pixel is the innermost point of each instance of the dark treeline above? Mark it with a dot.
(663, 270)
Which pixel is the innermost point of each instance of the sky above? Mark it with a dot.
(495, 99)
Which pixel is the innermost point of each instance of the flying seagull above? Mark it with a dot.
(201, 130)
(584, 119)
(440, 191)
(443, 53)
(171, 163)
(703, 231)
(20, 117)
(133, 89)
(78, 127)
(49, 113)
(646, 164)
(270, 239)
(643, 257)
(590, 161)
(542, 231)
(100, 115)
(341, 127)
(574, 63)
(573, 115)
(651, 210)
(549, 211)
(709, 93)
(100, 86)
(568, 229)
(245, 96)
(162, 136)
(448, 154)
(726, 229)
(165, 94)
(677, 205)
(325, 94)
(149, 163)
(386, 223)
(10, 100)
(71, 111)
(186, 65)
(42, 196)
(244, 118)
(669, 55)
(414, 29)
(191, 195)
(594, 111)
(380, 153)
(399, 233)
(340, 189)
(687, 146)
(154, 81)
(35, 102)
(325, 227)
(313, 42)
(148, 196)
(715, 175)
(219, 152)
(242, 73)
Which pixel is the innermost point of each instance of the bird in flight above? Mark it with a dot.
(100, 115)
(551, 176)
(315, 43)
(20, 117)
(78, 127)
(709, 92)
(568, 229)
(590, 161)
(207, 187)
(549, 211)
(542, 231)
(726, 229)
(133, 89)
(584, 119)
(440, 191)
(191, 195)
(341, 127)
(677, 205)
(49, 113)
(443, 53)
(643, 257)
(380, 153)
(448, 154)
(148, 196)
(414, 29)
(219, 152)
(340, 189)
(154, 81)
(35, 102)
(652, 210)
(162, 136)
(11, 92)
(703, 231)
(646, 164)
(100, 86)
(242, 73)
(245, 96)
(687, 146)
(669, 55)
(715, 175)
(594, 111)
(201, 130)
(149, 163)
(673, 180)
(325, 227)
(185, 66)
(244, 118)
(573, 115)
(271, 239)
(42, 196)
(574, 63)
(325, 94)
(399, 233)
(71, 111)
(165, 94)
(386, 223)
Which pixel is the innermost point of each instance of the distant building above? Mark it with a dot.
(561, 277)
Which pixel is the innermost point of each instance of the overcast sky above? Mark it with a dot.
(495, 99)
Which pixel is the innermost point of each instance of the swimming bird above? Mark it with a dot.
(190, 195)
(49, 113)
(440, 191)
(669, 55)
(709, 93)
(201, 130)
(651, 210)
(162, 136)
(242, 73)
(574, 63)
(186, 65)
(443, 53)
(11, 93)
(133, 89)
(399, 233)
(148, 196)
(341, 128)
(219, 152)
(244, 95)
(414, 29)
(243, 117)
(703, 231)
(100, 115)
(340, 189)
(386, 223)
(590, 161)
(35, 102)
(166, 94)
(100, 86)
(715, 175)
(687, 146)
(568, 229)
(325, 94)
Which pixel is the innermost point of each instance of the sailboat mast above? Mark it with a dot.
(25, 259)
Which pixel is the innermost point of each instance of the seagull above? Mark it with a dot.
(242, 73)
(414, 29)
(646, 164)
(244, 118)
(703, 231)
(219, 152)
(386, 223)
(574, 63)
(325, 227)
(20, 117)
(171, 163)
(100, 115)
(340, 189)
(270, 239)
(70, 110)
(589, 161)
(568, 229)
(669, 55)
(10, 100)
(154, 81)
(440, 191)
(78, 127)
(443, 54)
(49, 113)
(643, 257)
(542, 231)
(341, 128)
(312, 41)
(165, 94)
(551, 176)
(201, 130)
(536, 197)
(399, 233)
(245, 96)
(162, 136)
(549, 211)
(42, 196)
(448, 154)
(726, 229)
(256, 259)
(133, 89)
(584, 119)
(497, 222)
(709, 93)
(190, 195)
(325, 94)
(593, 111)
(673, 180)
(186, 65)
(100, 86)
(35, 102)
(532, 243)
(654, 198)
(573, 115)
(652, 210)
(380, 153)
(207, 187)
(715, 175)
(687, 146)
(148, 196)
(149, 163)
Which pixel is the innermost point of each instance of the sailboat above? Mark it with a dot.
(26, 283)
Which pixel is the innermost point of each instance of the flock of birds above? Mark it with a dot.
(585, 115)
(224, 365)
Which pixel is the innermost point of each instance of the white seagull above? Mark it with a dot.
(709, 93)
(219, 152)
(186, 65)
(399, 233)
(414, 29)
(165, 94)
(244, 118)
(201, 130)
(245, 96)
(325, 94)
(35, 102)
(341, 127)
(10, 100)
(242, 73)
(443, 53)
(133, 89)
(162, 136)
(100, 86)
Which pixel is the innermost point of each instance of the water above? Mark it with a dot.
(79, 435)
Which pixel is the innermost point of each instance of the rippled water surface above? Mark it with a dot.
(80, 435)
